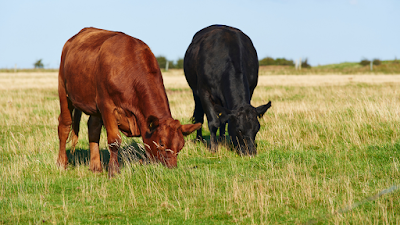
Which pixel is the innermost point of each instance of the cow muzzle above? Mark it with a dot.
(169, 162)
(246, 147)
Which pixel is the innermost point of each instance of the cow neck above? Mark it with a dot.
(153, 102)
(238, 106)
(234, 101)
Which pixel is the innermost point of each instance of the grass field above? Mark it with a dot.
(327, 143)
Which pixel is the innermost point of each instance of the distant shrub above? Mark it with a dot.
(38, 64)
(304, 64)
(268, 61)
(171, 64)
(284, 62)
(162, 61)
(365, 62)
(376, 62)
(179, 63)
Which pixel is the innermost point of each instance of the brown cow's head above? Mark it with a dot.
(164, 139)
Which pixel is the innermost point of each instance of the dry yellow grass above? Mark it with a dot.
(24, 80)
(325, 80)
(174, 79)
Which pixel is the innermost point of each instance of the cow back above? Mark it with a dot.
(99, 65)
(223, 60)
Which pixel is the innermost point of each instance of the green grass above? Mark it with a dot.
(320, 149)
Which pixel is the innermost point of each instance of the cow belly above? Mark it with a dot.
(87, 108)
(84, 99)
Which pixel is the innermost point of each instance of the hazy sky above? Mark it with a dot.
(324, 31)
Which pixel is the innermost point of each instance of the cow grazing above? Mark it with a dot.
(116, 80)
(221, 67)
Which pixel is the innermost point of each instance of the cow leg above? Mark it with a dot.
(198, 115)
(64, 127)
(213, 135)
(94, 126)
(213, 121)
(75, 128)
(222, 135)
(114, 141)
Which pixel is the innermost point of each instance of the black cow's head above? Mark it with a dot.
(243, 125)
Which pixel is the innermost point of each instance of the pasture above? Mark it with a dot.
(328, 142)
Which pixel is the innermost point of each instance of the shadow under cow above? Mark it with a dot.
(224, 141)
(129, 154)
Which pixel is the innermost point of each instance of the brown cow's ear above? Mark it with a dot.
(189, 128)
(152, 124)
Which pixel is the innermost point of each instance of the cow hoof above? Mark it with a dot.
(62, 164)
(222, 138)
(96, 169)
(113, 171)
(199, 139)
(113, 174)
(214, 148)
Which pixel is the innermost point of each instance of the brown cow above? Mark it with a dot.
(116, 80)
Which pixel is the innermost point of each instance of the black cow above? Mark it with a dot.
(221, 67)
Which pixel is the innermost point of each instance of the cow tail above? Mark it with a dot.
(73, 135)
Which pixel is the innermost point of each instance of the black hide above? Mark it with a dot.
(221, 67)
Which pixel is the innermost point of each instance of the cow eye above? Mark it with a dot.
(161, 143)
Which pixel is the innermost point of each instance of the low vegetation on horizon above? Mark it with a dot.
(384, 67)
(321, 150)
(282, 66)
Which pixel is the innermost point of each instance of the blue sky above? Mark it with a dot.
(324, 31)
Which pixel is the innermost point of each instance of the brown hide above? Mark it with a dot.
(116, 80)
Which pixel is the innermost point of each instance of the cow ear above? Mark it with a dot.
(189, 128)
(223, 113)
(152, 124)
(262, 109)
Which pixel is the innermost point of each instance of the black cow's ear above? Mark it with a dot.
(152, 124)
(223, 113)
(262, 109)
